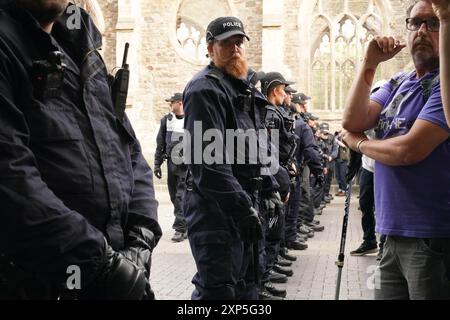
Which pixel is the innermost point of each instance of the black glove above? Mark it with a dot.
(278, 206)
(139, 246)
(157, 171)
(353, 165)
(250, 227)
(272, 205)
(320, 179)
(117, 278)
(143, 260)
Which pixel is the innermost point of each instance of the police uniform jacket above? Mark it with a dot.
(220, 191)
(277, 118)
(308, 150)
(71, 172)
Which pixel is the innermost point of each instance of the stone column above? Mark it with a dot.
(273, 38)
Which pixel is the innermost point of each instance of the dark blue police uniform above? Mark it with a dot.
(71, 172)
(219, 195)
(277, 118)
(307, 153)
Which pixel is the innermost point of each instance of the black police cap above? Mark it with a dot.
(176, 97)
(273, 79)
(225, 27)
(310, 116)
(303, 98)
(296, 98)
(254, 76)
(325, 127)
(289, 89)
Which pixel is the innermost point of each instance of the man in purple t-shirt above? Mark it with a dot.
(412, 153)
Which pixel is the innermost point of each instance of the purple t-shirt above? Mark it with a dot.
(412, 201)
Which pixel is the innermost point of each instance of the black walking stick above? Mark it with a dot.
(354, 165)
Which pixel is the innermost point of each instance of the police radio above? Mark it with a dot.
(48, 76)
(119, 90)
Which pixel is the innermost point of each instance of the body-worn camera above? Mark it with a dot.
(48, 76)
(245, 101)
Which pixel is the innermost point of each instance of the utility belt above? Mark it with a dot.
(251, 185)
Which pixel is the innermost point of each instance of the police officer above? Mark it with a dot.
(75, 190)
(301, 100)
(276, 118)
(318, 191)
(270, 206)
(307, 154)
(306, 205)
(273, 86)
(332, 153)
(169, 135)
(287, 103)
(220, 203)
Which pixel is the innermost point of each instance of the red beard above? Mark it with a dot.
(236, 67)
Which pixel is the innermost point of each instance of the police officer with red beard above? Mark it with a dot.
(221, 200)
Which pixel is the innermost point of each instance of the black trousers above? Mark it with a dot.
(176, 176)
(306, 205)
(367, 204)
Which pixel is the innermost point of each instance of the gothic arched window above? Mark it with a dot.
(190, 28)
(337, 47)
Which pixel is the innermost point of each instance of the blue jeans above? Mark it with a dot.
(341, 170)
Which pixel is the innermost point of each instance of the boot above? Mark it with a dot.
(283, 270)
(269, 286)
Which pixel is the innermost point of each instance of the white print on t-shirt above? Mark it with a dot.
(386, 125)
(391, 112)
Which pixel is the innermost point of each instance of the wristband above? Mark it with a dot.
(358, 145)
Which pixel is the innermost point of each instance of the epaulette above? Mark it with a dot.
(215, 74)
(271, 107)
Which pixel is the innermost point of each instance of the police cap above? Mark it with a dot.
(325, 127)
(303, 98)
(225, 27)
(273, 79)
(289, 89)
(310, 116)
(296, 98)
(176, 97)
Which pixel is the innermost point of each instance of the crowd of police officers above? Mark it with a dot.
(286, 202)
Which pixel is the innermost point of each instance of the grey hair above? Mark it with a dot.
(412, 4)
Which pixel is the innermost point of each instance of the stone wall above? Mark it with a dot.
(158, 68)
(109, 11)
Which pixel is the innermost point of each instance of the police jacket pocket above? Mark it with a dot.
(211, 237)
(60, 151)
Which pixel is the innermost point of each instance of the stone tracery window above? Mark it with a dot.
(190, 28)
(338, 41)
(192, 40)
